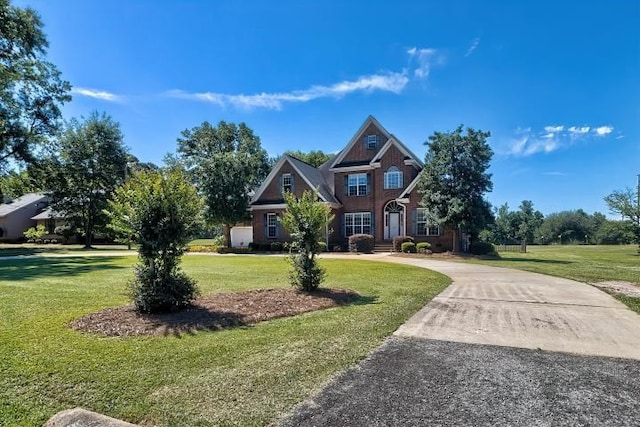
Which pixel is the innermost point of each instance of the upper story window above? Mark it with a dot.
(287, 182)
(358, 184)
(423, 228)
(392, 178)
(371, 142)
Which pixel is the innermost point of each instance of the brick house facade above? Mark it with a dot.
(370, 186)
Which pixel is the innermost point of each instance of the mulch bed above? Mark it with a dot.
(213, 312)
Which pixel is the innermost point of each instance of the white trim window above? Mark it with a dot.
(372, 142)
(393, 178)
(272, 225)
(423, 228)
(357, 223)
(357, 184)
(287, 182)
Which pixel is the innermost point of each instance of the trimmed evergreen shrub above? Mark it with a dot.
(399, 240)
(362, 243)
(276, 247)
(481, 248)
(423, 247)
(408, 248)
(322, 246)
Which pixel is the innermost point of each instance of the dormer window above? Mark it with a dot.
(371, 142)
(392, 178)
(287, 182)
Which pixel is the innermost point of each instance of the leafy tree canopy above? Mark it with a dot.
(88, 164)
(31, 89)
(315, 157)
(160, 211)
(455, 178)
(626, 203)
(226, 162)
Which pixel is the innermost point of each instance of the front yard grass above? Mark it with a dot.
(583, 263)
(242, 376)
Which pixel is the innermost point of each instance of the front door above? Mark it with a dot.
(394, 224)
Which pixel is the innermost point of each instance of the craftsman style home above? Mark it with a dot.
(370, 186)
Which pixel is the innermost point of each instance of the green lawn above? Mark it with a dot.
(243, 376)
(580, 262)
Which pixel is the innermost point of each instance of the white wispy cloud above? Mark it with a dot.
(555, 173)
(603, 130)
(474, 46)
(384, 82)
(551, 138)
(96, 93)
(424, 58)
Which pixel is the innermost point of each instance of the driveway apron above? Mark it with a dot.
(505, 307)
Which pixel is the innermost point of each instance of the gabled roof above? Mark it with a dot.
(369, 121)
(393, 140)
(410, 187)
(312, 176)
(48, 213)
(21, 202)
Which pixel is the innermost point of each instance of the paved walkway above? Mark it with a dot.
(471, 357)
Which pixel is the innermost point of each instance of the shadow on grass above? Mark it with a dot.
(535, 260)
(32, 268)
(217, 312)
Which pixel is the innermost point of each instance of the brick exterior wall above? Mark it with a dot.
(359, 151)
(273, 192)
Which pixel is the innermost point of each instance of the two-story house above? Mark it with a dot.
(370, 186)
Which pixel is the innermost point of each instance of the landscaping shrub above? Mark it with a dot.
(65, 231)
(424, 247)
(276, 247)
(362, 243)
(201, 248)
(336, 248)
(481, 248)
(35, 233)
(225, 250)
(399, 240)
(322, 246)
(408, 248)
(305, 219)
(54, 241)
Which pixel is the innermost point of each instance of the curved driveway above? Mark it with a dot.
(470, 358)
(505, 307)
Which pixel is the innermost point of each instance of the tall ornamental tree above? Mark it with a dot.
(306, 220)
(88, 164)
(528, 222)
(160, 211)
(455, 178)
(626, 203)
(31, 88)
(226, 163)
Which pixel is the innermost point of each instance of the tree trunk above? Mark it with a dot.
(226, 229)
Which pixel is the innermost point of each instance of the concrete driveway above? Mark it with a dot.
(499, 347)
(499, 306)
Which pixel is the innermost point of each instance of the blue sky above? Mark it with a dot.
(556, 82)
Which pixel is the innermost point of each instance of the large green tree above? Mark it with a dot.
(626, 203)
(88, 164)
(31, 88)
(226, 162)
(455, 178)
(566, 227)
(314, 157)
(160, 211)
(527, 222)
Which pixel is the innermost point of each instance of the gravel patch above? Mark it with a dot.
(619, 287)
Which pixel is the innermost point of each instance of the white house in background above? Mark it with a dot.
(16, 215)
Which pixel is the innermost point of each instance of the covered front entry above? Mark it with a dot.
(393, 220)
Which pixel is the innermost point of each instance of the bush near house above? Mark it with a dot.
(362, 243)
(399, 240)
(408, 248)
(424, 247)
(481, 248)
